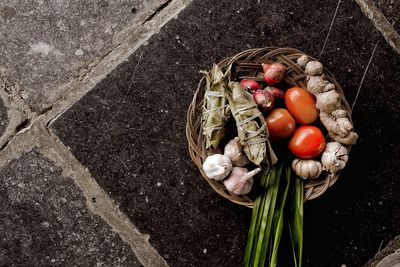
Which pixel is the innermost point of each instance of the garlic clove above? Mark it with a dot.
(304, 171)
(234, 151)
(307, 168)
(335, 157)
(240, 180)
(217, 166)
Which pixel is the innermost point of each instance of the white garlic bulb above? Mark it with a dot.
(217, 166)
(234, 151)
(307, 168)
(334, 157)
(240, 180)
(314, 68)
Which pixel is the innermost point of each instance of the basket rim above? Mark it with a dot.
(314, 188)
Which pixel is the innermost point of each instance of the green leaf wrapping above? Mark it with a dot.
(215, 107)
(251, 125)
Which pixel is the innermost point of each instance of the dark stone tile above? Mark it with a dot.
(393, 247)
(45, 44)
(129, 132)
(391, 10)
(45, 222)
(361, 213)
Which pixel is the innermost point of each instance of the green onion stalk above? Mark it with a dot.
(282, 197)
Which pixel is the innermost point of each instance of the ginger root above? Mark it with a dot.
(316, 84)
(339, 113)
(328, 101)
(349, 139)
(329, 87)
(338, 125)
(302, 61)
(333, 117)
(314, 68)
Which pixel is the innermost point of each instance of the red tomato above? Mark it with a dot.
(307, 142)
(251, 85)
(301, 105)
(280, 124)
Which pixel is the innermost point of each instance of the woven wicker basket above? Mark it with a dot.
(248, 62)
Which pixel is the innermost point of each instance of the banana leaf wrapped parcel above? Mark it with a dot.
(215, 107)
(251, 126)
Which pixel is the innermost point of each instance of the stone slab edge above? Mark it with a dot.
(125, 43)
(35, 133)
(17, 110)
(97, 200)
(392, 247)
(380, 22)
(133, 37)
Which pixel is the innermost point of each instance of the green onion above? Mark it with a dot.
(296, 222)
(278, 217)
(267, 219)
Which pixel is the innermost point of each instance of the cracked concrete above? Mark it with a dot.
(16, 111)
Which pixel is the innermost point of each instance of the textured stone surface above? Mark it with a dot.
(44, 220)
(361, 213)
(391, 9)
(3, 117)
(129, 132)
(393, 247)
(44, 44)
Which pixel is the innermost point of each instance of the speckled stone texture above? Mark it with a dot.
(393, 247)
(130, 132)
(390, 9)
(44, 44)
(3, 117)
(45, 222)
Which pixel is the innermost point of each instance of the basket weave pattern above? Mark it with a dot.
(248, 64)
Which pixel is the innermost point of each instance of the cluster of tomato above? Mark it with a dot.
(293, 119)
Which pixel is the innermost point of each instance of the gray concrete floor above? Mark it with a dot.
(87, 179)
